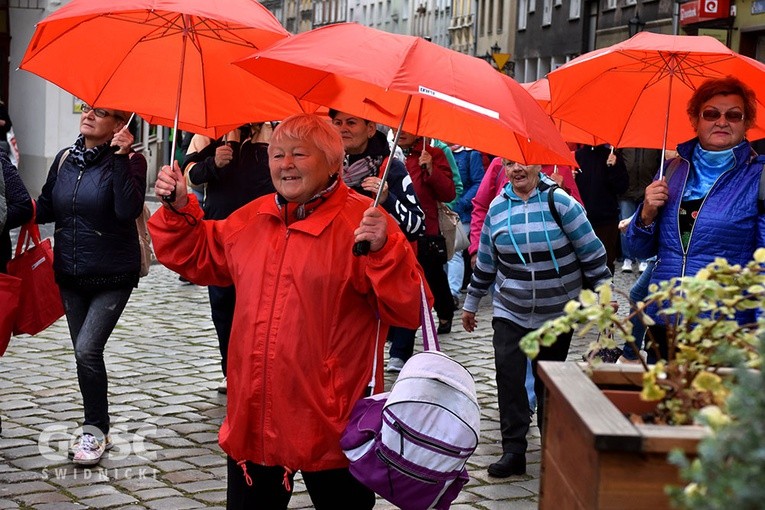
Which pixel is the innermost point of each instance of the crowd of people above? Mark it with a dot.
(267, 218)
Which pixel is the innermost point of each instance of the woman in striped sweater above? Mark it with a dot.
(536, 267)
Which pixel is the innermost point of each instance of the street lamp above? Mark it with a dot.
(635, 25)
(495, 48)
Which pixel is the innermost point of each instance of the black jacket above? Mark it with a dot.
(19, 205)
(243, 180)
(599, 184)
(95, 209)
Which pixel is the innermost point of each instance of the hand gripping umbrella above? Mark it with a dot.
(635, 93)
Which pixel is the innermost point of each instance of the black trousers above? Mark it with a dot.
(222, 303)
(443, 303)
(510, 363)
(329, 490)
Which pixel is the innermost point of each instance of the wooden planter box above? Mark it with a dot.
(593, 457)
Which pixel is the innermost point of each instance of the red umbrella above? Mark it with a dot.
(540, 90)
(167, 60)
(407, 81)
(635, 93)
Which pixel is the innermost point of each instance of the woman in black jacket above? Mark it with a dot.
(18, 206)
(94, 192)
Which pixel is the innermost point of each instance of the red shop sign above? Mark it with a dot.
(696, 11)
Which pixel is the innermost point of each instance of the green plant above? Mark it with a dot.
(703, 337)
(730, 467)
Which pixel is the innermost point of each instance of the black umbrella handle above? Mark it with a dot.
(169, 198)
(361, 248)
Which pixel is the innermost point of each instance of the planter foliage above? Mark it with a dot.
(703, 334)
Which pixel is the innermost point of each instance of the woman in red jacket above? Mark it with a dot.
(304, 331)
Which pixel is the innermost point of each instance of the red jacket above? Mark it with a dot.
(303, 334)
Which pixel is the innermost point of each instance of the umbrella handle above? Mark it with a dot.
(361, 248)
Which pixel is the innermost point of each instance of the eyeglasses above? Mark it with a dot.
(730, 115)
(99, 112)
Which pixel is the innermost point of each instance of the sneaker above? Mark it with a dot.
(626, 361)
(90, 451)
(627, 266)
(76, 445)
(643, 266)
(395, 365)
(223, 386)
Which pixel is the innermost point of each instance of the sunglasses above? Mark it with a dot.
(99, 112)
(730, 115)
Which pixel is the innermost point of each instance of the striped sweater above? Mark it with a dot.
(538, 269)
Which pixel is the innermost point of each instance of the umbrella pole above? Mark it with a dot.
(390, 158)
(180, 89)
(171, 197)
(362, 247)
(666, 126)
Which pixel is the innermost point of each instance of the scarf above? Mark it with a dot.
(303, 210)
(354, 173)
(707, 167)
(83, 157)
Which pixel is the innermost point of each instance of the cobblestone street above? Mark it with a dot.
(164, 366)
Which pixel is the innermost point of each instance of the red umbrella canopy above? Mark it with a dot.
(445, 94)
(540, 90)
(635, 93)
(140, 55)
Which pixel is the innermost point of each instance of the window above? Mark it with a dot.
(523, 9)
(610, 4)
(575, 9)
(532, 6)
(500, 16)
(546, 13)
(490, 21)
(482, 23)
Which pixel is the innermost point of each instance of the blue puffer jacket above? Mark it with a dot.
(729, 223)
(95, 211)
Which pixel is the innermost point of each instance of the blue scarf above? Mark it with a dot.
(707, 167)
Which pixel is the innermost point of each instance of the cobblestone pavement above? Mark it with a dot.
(163, 365)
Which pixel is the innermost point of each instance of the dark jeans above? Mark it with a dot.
(609, 236)
(658, 334)
(638, 292)
(91, 316)
(511, 362)
(329, 490)
(401, 342)
(222, 302)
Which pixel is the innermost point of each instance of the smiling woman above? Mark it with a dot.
(305, 327)
(708, 205)
(304, 160)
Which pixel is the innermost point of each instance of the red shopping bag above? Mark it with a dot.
(40, 302)
(10, 292)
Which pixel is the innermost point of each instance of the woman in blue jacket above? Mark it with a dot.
(707, 204)
(94, 192)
